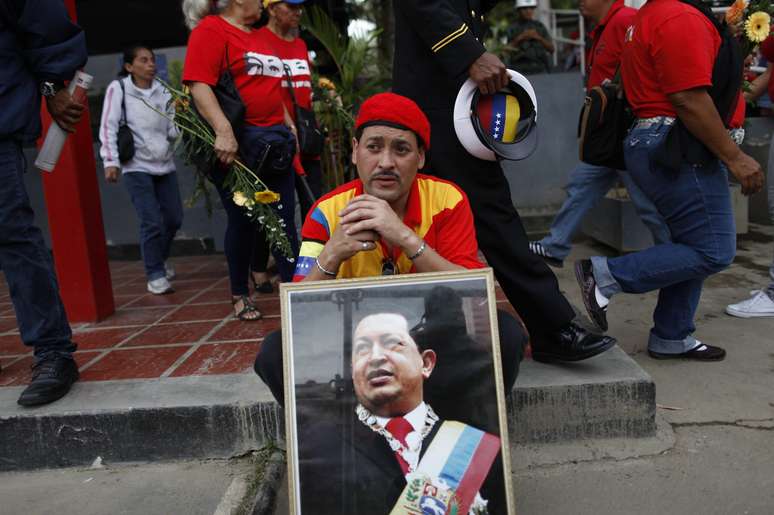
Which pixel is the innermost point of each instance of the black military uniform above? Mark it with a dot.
(436, 41)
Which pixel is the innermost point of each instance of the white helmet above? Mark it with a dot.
(525, 3)
(503, 125)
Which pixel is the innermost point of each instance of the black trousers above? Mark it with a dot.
(513, 340)
(531, 287)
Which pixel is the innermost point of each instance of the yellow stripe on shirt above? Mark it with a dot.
(451, 37)
(311, 249)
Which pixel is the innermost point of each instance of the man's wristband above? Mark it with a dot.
(419, 252)
(323, 270)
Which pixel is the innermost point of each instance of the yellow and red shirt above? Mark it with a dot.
(437, 210)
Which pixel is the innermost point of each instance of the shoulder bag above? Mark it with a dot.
(310, 137)
(604, 121)
(229, 99)
(125, 137)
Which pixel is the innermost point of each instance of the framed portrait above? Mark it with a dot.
(394, 397)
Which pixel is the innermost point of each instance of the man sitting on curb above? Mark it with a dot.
(391, 220)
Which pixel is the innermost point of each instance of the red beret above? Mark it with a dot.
(394, 111)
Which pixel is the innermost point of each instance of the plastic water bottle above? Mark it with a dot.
(55, 137)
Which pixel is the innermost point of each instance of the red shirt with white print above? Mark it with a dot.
(295, 56)
(252, 60)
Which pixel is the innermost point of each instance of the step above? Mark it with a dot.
(229, 415)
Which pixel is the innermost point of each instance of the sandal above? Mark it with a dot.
(264, 287)
(249, 312)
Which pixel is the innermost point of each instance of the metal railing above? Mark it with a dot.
(581, 41)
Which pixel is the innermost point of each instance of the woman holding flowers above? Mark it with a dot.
(222, 38)
(136, 100)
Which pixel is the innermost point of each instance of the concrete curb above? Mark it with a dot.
(121, 421)
(608, 396)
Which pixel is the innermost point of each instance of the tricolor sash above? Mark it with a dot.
(450, 473)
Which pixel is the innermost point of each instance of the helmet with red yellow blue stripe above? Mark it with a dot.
(499, 126)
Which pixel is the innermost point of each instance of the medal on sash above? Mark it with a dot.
(451, 472)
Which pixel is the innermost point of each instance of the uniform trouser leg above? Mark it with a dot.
(26, 263)
(529, 284)
(269, 367)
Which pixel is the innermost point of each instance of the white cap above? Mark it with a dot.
(476, 144)
(525, 3)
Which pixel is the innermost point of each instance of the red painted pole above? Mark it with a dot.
(75, 221)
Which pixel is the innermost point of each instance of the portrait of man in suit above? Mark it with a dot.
(392, 453)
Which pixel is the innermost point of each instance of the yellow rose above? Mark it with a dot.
(758, 26)
(326, 84)
(239, 198)
(266, 196)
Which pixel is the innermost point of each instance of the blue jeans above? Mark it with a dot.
(697, 206)
(156, 199)
(589, 183)
(26, 262)
(241, 232)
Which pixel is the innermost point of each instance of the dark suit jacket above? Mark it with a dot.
(436, 41)
(347, 469)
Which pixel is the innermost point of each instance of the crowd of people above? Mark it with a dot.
(421, 202)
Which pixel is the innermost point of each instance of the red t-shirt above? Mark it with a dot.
(608, 39)
(296, 57)
(767, 49)
(672, 47)
(256, 69)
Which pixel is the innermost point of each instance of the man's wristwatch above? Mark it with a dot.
(49, 89)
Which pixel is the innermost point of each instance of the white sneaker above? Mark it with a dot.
(760, 305)
(170, 271)
(159, 286)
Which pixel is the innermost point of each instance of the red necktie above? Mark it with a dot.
(399, 427)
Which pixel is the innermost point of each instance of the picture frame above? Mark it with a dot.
(358, 353)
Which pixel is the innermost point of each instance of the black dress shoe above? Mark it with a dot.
(52, 378)
(573, 343)
(702, 352)
(585, 276)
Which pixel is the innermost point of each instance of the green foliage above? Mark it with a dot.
(353, 83)
(175, 73)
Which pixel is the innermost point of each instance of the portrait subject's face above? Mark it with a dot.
(388, 370)
(387, 160)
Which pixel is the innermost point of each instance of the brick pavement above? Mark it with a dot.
(190, 332)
